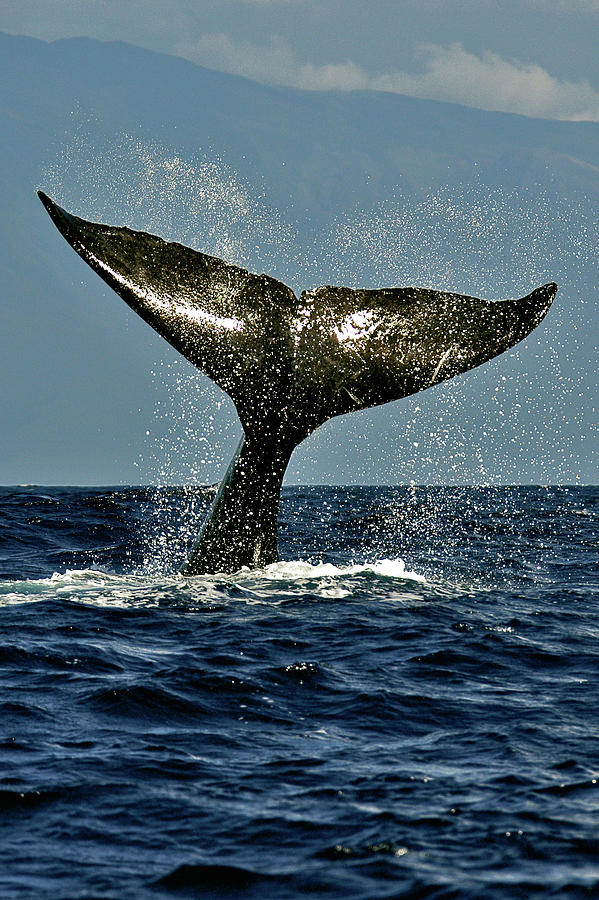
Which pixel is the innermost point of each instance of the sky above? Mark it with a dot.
(533, 57)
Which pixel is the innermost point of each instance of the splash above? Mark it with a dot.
(204, 204)
(523, 418)
(193, 433)
(492, 243)
(201, 202)
(299, 570)
(274, 584)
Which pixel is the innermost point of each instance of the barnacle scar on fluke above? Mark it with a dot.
(289, 363)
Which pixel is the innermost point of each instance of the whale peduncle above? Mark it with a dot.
(241, 527)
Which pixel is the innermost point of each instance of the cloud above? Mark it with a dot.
(448, 73)
(491, 82)
(273, 64)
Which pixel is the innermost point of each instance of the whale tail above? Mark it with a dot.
(289, 363)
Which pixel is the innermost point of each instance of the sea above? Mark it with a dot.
(406, 706)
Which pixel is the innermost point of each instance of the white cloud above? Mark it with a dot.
(491, 82)
(273, 64)
(449, 73)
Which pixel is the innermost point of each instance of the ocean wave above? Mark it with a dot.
(298, 570)
(270, 584)
(331, 725)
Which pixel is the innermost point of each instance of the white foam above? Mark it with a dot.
(83, 586)
(300, 570)
(269, 585)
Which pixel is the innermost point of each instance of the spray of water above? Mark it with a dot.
(204, 204)
(495, 244)
(518, 418)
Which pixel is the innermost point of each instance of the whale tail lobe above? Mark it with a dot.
(289, 363)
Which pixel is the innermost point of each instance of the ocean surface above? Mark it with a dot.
(406, 707)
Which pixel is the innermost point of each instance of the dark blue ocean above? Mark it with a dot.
(406, 707)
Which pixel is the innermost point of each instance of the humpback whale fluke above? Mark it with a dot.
(289, 363)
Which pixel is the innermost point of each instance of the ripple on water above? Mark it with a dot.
(324, 727)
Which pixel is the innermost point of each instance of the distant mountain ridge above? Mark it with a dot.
(399, 140)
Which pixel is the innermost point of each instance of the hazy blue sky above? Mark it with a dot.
(536, 57)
